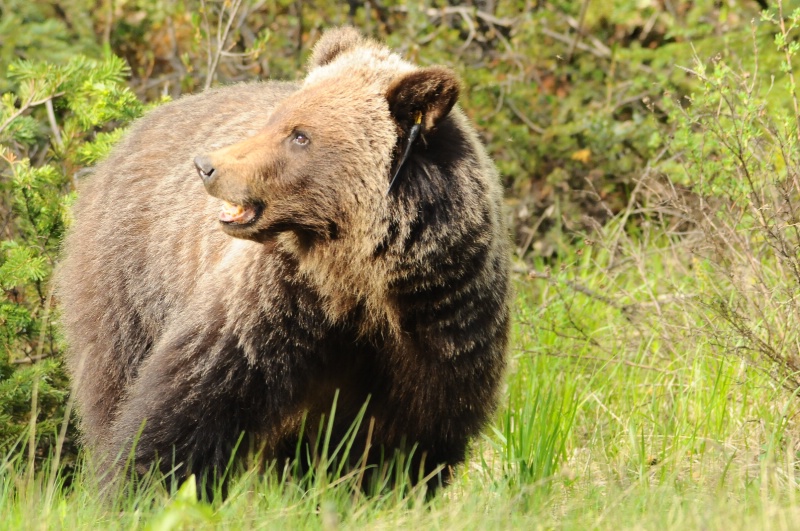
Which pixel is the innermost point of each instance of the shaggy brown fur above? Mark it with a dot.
(194, 326)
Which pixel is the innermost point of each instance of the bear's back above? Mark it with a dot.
(145, 230)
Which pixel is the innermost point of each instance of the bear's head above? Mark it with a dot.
(330, 149)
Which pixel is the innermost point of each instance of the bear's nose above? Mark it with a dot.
(204, 168)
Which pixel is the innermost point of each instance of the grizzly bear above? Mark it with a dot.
(250, 255)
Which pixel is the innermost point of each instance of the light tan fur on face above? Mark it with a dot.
(355, 135)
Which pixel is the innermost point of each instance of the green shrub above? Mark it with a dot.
(55, 120)
(737, 169)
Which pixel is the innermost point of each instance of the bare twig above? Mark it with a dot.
(648, 26)
(468, 14)
(527, 121)
(578, 30)
(500, 101)
(789, 69)
(603, 53)
(471, 36)
(48, 304)
(221, 43)
(595, 359)
(62, 435)
(533, 229)
(30, 359)
(25, 106)
(580, 288)
(32, 430)
(35, 392)
(464, 12)
(207, 26)
(51, 118)
(793, 85)
(591, 38)
(300, 24)
(109, 22)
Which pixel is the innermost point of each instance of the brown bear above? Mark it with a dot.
(291, 273)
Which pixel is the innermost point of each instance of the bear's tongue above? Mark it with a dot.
(238, 214)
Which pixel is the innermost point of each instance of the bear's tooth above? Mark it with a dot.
(232, 210)
(236, 214)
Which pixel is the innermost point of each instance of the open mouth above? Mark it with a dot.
(239, 215)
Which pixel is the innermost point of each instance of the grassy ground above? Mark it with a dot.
(623, 409)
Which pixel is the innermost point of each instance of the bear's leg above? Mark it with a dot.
(435, 403)
(107, 352)
(194, 397)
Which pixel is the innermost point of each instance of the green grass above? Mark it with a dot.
(624, 408)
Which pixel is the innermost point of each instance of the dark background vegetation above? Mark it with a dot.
(577, 101)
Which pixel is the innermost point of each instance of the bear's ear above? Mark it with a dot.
(426, 94)
(333, 43)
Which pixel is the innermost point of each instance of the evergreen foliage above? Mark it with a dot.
(54, 120)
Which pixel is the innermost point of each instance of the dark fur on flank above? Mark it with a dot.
(195, 331)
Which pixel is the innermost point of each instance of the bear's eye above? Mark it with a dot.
(301, 139)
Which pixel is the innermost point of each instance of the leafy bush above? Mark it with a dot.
(55, 120)
(738, 150)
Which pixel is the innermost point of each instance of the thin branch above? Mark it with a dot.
(35, 391)
(109, 22)
(51, 118)
(30, 359)
(32, 432)
(27, 105)
(533, 230)
(221, 43)
(471, 36)
(207, 26)
(604, 54)
(594, 40)
(464, 12)
(596, 359)
(527, 121)
(578, 30)
(580, 288)
(789, 69)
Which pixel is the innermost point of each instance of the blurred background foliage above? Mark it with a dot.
(578, 102)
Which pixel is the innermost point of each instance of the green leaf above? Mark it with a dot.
(21, 264)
